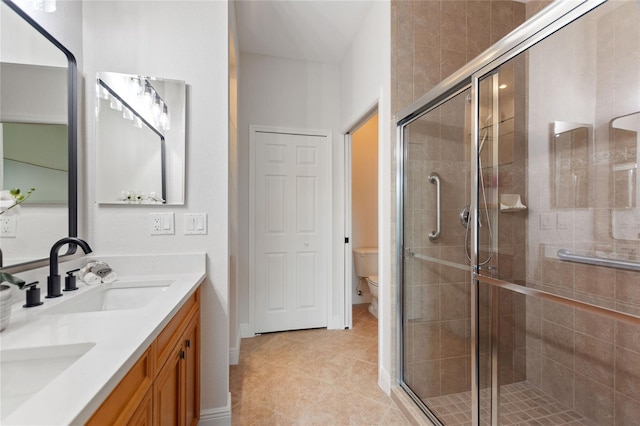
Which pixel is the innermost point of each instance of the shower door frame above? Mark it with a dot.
(548, 21)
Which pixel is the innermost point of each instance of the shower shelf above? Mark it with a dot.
(566, 255)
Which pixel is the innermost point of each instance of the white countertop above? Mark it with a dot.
(120, 336)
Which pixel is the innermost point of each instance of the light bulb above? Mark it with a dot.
(127, 114)
(147, 97)
(101, 92)
(165, 119)
(156, 109)
(115, 104)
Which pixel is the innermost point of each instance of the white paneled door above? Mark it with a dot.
(291, 229)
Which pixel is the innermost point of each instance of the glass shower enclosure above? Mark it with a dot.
(519, 228)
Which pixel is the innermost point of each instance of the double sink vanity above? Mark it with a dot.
(107, 353)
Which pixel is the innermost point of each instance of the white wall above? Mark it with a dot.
(285, 93)
(365, 77)
(132, 37)
(234, 326)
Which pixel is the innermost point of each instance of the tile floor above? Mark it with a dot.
(312, 377)
(521, 404)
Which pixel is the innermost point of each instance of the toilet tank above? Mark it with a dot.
(365, 261)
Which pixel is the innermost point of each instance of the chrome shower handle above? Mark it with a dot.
(435, 179)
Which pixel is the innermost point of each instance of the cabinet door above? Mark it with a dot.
(192, 371)
(168, 396)
(143, 415)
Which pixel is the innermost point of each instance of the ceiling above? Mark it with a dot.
(313, 30)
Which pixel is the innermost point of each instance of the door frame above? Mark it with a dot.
(348, 247)
(253, 129)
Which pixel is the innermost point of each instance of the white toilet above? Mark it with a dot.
(365, 261)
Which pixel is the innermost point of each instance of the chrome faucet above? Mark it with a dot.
(53, 281)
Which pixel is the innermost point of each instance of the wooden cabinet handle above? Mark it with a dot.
(187, 343)
(182, 354)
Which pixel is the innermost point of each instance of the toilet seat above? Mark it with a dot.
(373, 280)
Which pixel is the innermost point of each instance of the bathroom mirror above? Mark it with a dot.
(140, 134)
(38, 134)
(571, 147)
(625, 140)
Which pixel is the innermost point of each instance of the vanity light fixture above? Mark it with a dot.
(157, 111)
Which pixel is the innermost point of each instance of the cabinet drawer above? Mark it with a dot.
(169, 336)
(123, 402)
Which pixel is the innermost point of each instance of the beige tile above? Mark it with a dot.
(595, 280)
(594, 401)
(250, 413)
(627, 410)
(594, 325)
(627, 373)
(595, 359)
(286, 378)
(558, 381)
(558, 343)
(627, 336)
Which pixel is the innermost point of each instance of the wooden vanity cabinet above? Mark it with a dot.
(163, 387)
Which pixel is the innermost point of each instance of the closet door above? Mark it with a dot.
(292, 226)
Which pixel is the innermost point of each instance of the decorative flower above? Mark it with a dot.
(10, 200)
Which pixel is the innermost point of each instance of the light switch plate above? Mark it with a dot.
(547, 221)
(195, 224)
(161, 224)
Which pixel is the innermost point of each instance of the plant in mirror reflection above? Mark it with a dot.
(11, 199)
(6, 277)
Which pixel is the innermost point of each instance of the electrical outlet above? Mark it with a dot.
(8, 226)
(161, 224)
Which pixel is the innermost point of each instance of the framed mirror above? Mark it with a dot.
(38, 138)
(625, 140)
(571, 147)
(140, 134)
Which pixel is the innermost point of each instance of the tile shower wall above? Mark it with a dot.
(430, 40)
(587, 362)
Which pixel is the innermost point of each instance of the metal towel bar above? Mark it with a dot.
(565, 254)
(435, 179)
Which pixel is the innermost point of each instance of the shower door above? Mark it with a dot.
(527, 309)
(436, 267)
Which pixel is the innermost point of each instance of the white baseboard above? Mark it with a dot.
(217, 416)
(245, 331)
(335, 323)
(234, 352)
(384, 380)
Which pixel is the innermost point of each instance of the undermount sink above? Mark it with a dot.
(24, 372)
(112, 297)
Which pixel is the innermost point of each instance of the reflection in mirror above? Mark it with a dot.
(625, 137)
(140, 136)
(37, 136)
(571, 147)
